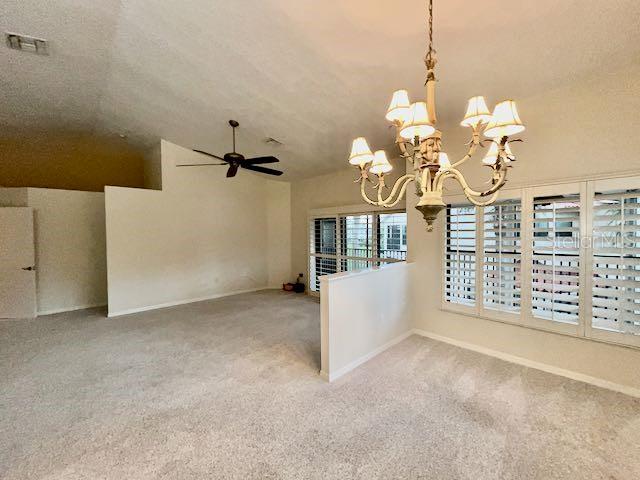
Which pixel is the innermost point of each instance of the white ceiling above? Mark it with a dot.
(311, 74)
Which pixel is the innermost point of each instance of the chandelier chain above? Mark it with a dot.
(429, 59)
(430, 27)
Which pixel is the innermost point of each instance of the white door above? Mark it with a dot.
(17, 264)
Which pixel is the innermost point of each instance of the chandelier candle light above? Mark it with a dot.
(420, 143)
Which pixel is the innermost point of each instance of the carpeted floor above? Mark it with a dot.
(229, 389)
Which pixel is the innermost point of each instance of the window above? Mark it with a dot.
(357, 242)
(345, 243)
(392, 232)
(563, 258)
(615, 295)
(460, 256)
(323, 259)
(502, 256)
(555, 269)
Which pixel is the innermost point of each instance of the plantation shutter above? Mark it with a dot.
(392, 235)
(460, 256)
(357, 242)
(322, 250)
(616, 262)
(556, 262)
(502, 256)
(344, 243)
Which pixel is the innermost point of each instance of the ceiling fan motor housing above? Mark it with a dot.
(233, 157)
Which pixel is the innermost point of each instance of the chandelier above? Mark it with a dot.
(419, 142)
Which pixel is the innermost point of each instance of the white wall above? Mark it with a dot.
(201, 237)
(70, 246)
(279, 234)
(588, 128)
(362, 314)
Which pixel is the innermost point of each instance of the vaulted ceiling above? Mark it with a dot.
(311, 74)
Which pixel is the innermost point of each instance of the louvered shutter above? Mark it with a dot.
(460, 255)
(616, 262)
(322, 246)
(392, 235)
(345, 243)
(502, 256)
(556, 258)
(357, 242)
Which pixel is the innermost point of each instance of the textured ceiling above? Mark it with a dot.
(311, 74)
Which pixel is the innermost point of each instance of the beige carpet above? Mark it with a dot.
(229, 389)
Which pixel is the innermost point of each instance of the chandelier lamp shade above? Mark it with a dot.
(360, 153)
(419, 142)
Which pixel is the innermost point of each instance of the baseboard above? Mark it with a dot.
(70, 309)
(330, 377)
(181, 302)
(598, 382)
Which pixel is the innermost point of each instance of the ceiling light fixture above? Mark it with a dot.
(420, 142)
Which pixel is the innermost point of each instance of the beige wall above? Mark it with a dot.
(69, 244)
(279, 233)
(586, 128)
(202, 236)
(69, 161)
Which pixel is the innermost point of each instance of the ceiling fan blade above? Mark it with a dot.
(233, 169)
(268, 171)
(209, 154)
(200, 164)
(254, 161)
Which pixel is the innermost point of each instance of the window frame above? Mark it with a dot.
(478, 309)
(338, 213)
(525, 318)
(458, 307)
(592, 187)
(504, 314)
(528, 318)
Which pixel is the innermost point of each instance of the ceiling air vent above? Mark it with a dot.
(27, 44)
(272, 141)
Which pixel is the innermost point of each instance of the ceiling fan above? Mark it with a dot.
(236, 160)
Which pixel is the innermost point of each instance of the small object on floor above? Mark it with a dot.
(298, 287)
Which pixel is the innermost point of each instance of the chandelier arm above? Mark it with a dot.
(499, 180)
(485, 203)
(403, 149)
(401, 183)
(475, 141)
(426, 185)
(441, 176)
(407, 180)
(400, 142)
(363, 193)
